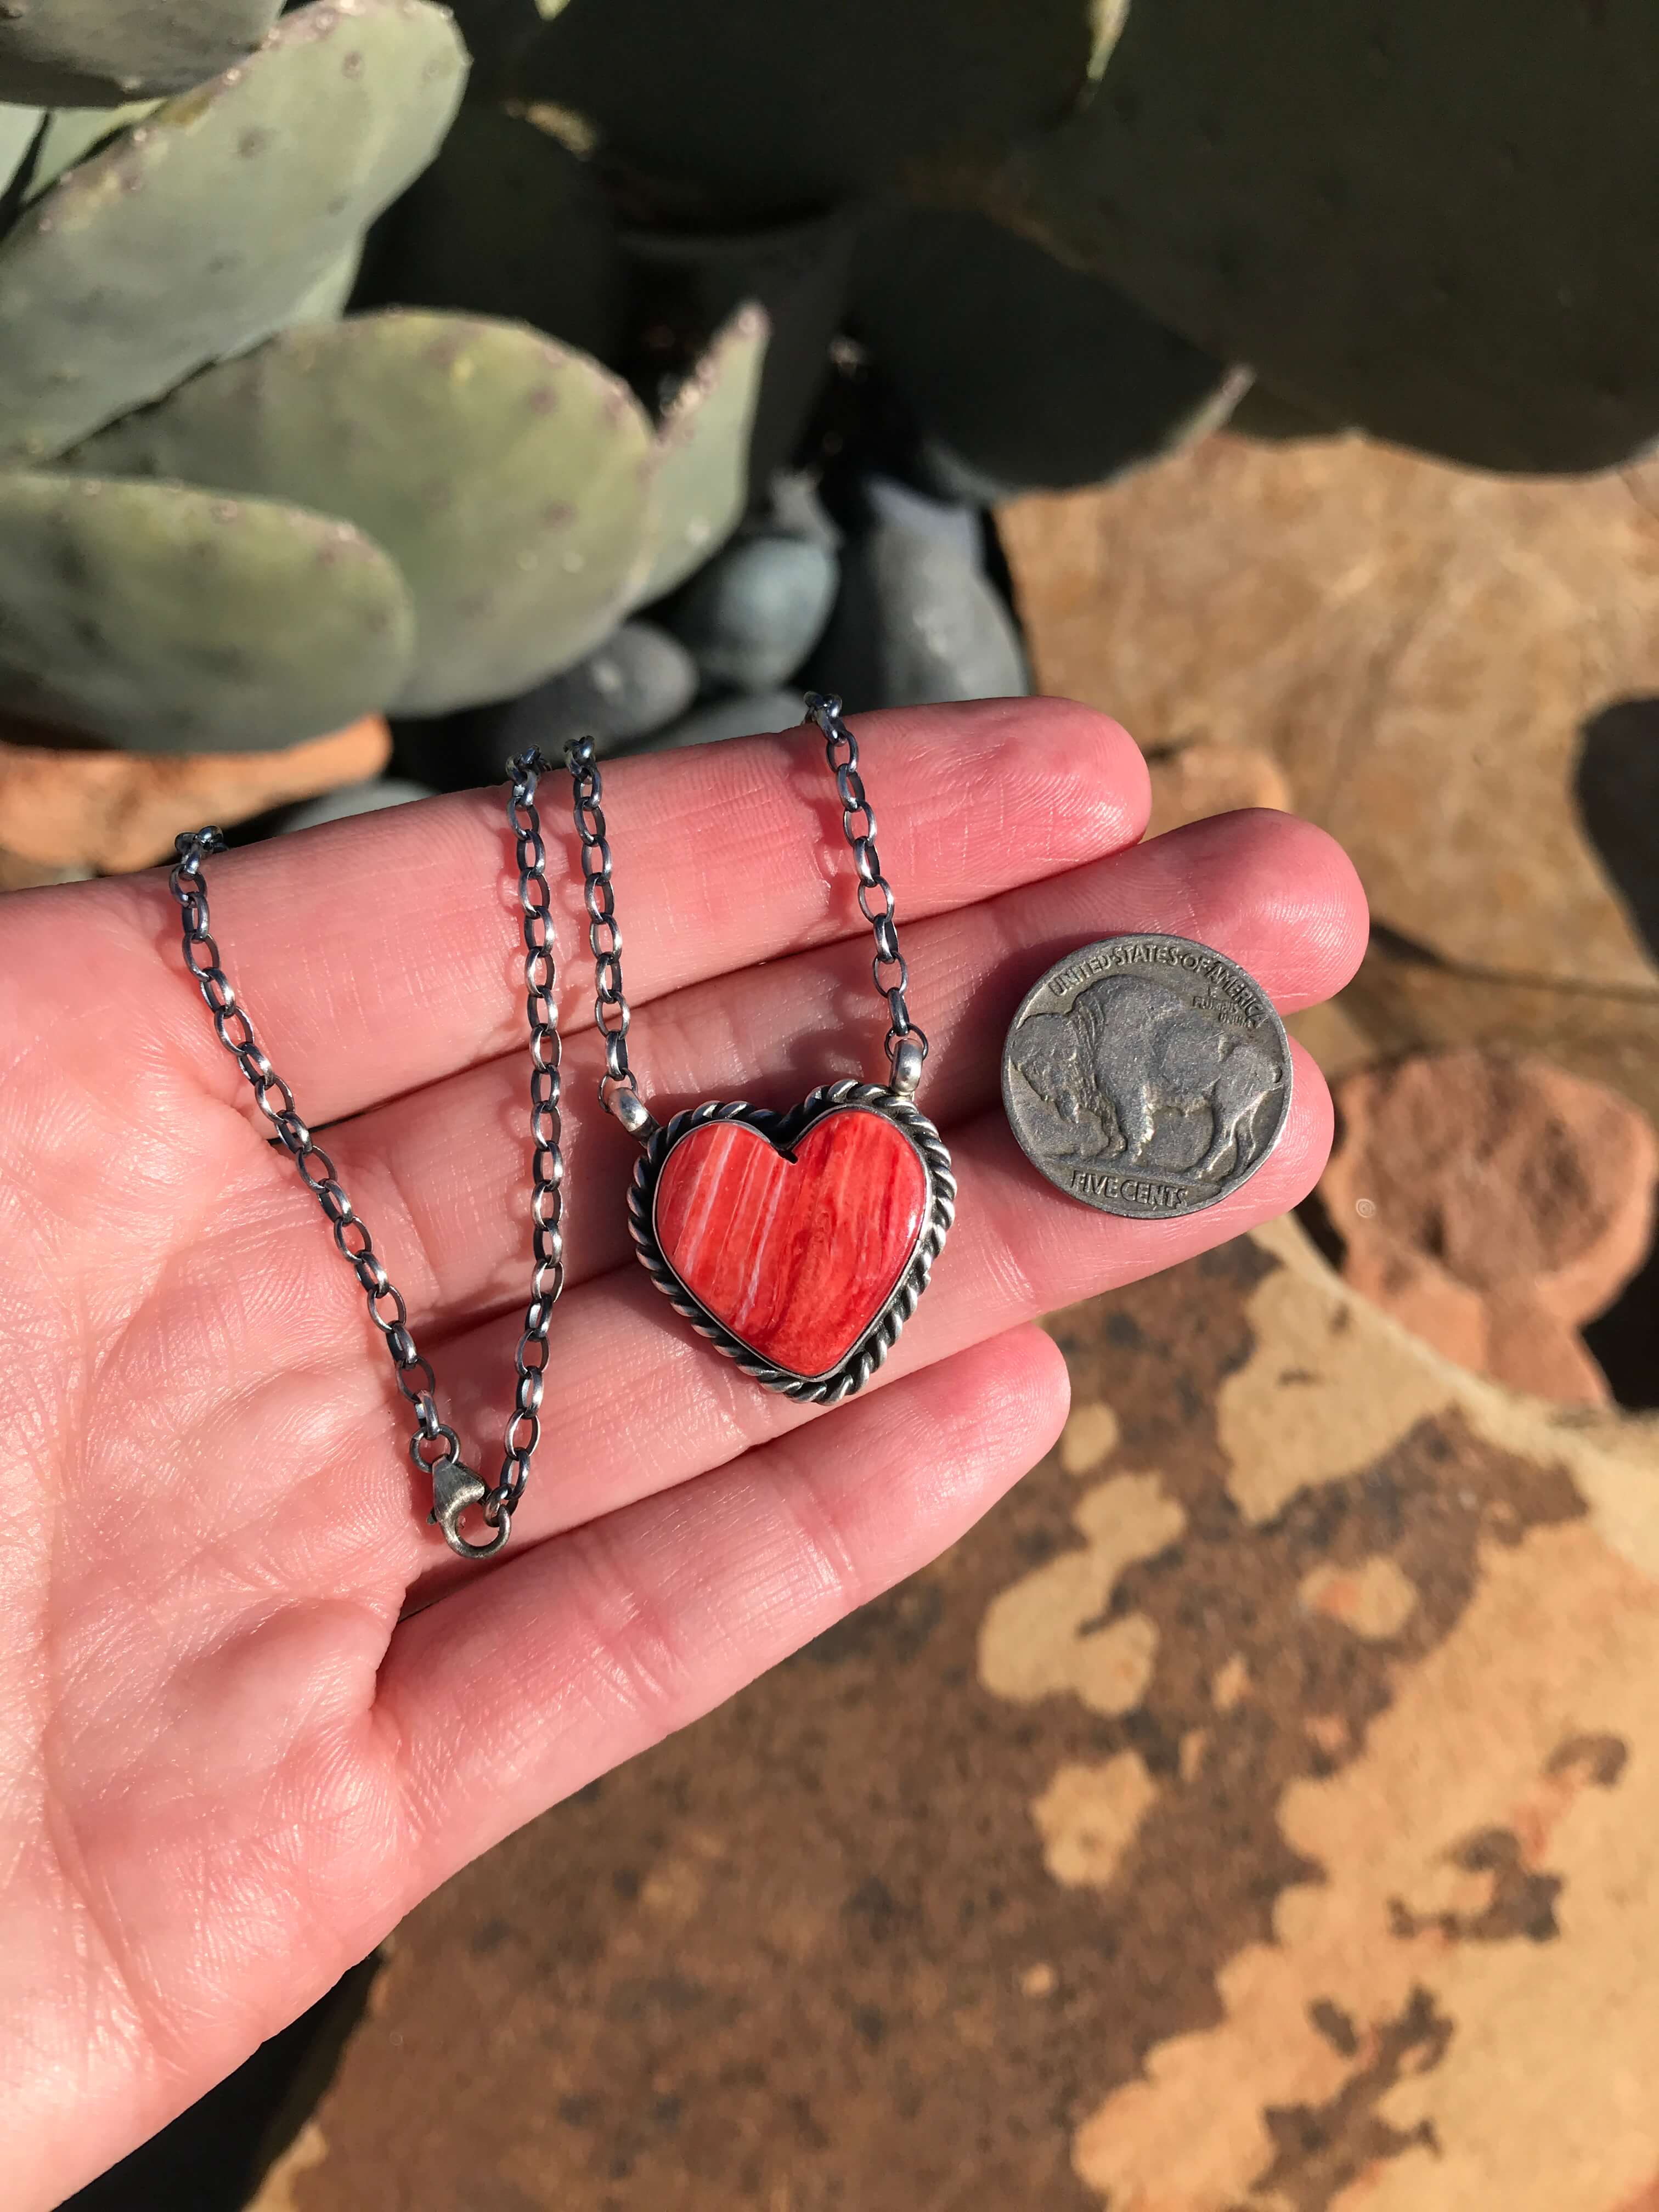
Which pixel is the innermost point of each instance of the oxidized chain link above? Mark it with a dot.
(546, 1129)
(891, 975)
(611, 1008)
(454, 1486)
(906, 1042)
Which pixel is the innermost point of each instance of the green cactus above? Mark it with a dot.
(19, 128)
(95, 53)
(325, 301)
(1024, 374)
(507, 476)
(694, 280)
(194, 233)
(1415, 217)
(507, 221)
(702, 464)
(72, 133)
(248, 537)
(170, 619)
(776, 109)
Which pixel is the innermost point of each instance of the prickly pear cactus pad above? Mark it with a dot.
(507, 221)
(18, 127)
(507, 475)
(195, 232)
(781, 106)
(71, 134)
(1033, 373)
(94, 53)
(325, 300)
(701, 471)
(169, 619)
(1435, 221)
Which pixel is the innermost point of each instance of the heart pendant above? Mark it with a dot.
(799, 1243)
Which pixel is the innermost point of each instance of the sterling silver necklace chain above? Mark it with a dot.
(433, 1446)
(906, 1044)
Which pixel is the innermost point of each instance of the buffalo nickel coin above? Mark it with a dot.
(1147, 1076)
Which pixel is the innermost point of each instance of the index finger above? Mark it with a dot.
(384, 951)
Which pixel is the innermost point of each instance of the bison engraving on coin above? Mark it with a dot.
(1146, 1075)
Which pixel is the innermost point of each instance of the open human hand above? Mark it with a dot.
(251, 1710)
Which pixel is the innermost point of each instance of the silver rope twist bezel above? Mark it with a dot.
(784, 1130)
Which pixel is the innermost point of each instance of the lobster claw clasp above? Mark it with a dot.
(454, 1488)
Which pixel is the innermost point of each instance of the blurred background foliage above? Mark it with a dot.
(634, 363)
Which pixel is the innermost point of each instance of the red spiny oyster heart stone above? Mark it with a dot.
(797, 1256)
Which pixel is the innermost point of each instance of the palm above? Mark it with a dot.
(228, 1766)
